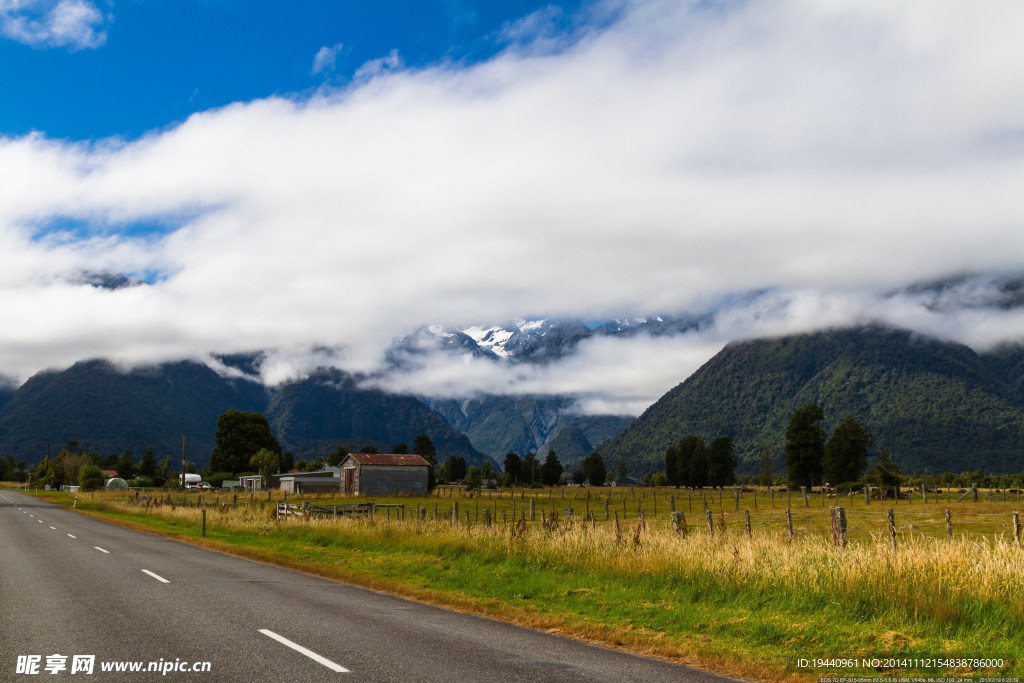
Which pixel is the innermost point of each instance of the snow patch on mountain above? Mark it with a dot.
(493, 339)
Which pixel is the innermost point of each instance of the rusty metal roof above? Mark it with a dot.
(389, 459)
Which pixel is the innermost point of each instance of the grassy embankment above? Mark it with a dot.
(746, 605)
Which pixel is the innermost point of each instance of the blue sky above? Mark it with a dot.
(161, 60)
(302, 176)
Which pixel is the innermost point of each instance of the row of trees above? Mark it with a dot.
(74, 467)
(693, 463)
(810, 461)
(12, 471)
(812, 458)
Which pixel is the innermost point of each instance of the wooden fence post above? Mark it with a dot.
(892, 527)
(736, 496)
(676, 522)
(949, 525)
(533, 510)
(746, 514)
(204, 522)
(711, 524)
(803, 492)
(672, 503)
(838, 526)
(1016, 527)
(487, 517)
(789, 523)
(617, 523)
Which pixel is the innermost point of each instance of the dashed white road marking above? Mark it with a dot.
(54, 528)
(72, 536)
(309, 653)
(101, 549)
(155, 576)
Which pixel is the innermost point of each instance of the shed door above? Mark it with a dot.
(349, 480)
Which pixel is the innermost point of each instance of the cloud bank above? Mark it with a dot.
(657, 156)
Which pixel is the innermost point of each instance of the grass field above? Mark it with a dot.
(753, 605)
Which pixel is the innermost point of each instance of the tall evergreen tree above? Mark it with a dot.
(805, 446)
(513, 467)
(594, 469)
(147, 464)
(125, 466)
(671, 470)
(692, 462)
(531, 469)
(424, 447)
(551, 470)
(721, 462)
(338, 456)
(239, 437)
(846, 455)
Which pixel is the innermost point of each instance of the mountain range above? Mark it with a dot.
(937, 405)
(108, 410)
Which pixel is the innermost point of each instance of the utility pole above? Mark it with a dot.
(181, 484)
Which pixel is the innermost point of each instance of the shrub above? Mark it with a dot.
(90, 477)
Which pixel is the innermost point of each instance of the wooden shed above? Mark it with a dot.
(378, 474)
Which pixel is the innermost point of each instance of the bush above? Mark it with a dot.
(90, 477)
(217, 478)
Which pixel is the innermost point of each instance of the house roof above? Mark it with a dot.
(389, 459)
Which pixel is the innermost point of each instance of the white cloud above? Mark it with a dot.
(75, 24)
(324, 61)
(378, 67)
(659, 161)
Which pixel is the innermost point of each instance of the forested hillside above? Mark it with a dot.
(109, 411)
(313, 416)
(938, 406)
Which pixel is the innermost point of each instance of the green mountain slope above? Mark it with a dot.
(109, 411)
(936, 405)
(571, 445)
(311, 417)
(498, 425)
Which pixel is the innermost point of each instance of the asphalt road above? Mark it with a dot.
(74, 586)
